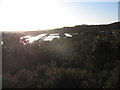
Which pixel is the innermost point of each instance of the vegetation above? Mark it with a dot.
(90, 59)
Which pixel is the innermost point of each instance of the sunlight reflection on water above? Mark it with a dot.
(50, 38)
(67, 35)
(41, 37)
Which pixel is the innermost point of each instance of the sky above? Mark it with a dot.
(119, 11)
(27, 15)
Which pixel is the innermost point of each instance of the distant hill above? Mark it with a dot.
(80, 28)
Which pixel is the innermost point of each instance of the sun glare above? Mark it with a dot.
(27, 15)
(20, 15)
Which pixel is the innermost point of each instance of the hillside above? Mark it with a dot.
(80, 28)
(88, 58)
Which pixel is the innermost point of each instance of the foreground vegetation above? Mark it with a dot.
(90, 59)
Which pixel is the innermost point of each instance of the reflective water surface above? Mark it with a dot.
(41, 37)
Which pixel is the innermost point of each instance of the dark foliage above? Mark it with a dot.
(90, 59)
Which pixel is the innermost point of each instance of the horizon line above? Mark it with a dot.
(58, 27)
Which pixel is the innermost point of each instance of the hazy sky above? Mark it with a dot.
(46, 14)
